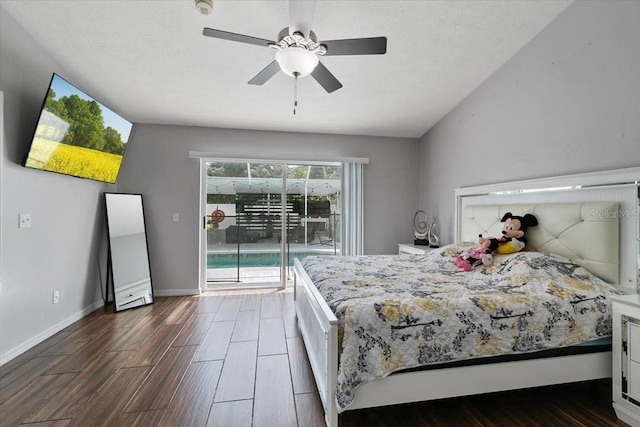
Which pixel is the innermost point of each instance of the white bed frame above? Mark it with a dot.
(319, 325)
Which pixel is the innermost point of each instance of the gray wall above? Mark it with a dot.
(61, 249)
(157, 165)
(67, 241)
(568, 102)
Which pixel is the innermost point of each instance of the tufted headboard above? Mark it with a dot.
(586, 233)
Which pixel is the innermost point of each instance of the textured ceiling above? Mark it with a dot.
(149, 61)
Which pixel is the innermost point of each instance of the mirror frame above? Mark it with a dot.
(139, 275)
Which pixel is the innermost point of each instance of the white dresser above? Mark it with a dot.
(626, 358)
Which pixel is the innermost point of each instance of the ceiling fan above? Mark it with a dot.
(298, 49)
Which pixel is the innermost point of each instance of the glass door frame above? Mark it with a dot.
(237, 285)
(285, 237)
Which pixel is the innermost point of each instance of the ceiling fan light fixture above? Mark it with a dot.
(296, 61)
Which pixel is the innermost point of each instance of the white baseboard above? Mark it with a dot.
(175, 292)
(17, 351)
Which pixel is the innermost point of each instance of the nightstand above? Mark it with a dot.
(411, 249)
(626, 358)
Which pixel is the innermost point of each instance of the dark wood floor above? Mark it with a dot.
(232, 359)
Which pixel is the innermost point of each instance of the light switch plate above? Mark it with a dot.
(24, 220)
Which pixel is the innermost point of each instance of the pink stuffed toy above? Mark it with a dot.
(480, 255)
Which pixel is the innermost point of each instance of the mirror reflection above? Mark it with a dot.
(128, 251)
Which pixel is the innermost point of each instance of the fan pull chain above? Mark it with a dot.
(295, 92)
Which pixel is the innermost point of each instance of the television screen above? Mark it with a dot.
(77, 135)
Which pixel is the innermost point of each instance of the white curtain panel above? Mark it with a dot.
(352, 209)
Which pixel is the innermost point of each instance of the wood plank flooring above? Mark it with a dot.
(232, 359)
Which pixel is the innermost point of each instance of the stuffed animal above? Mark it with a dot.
(512, 240)
(480, 255)
(513, 232)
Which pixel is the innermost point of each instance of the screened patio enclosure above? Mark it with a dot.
(256, 225)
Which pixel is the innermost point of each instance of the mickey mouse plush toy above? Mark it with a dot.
(512, 240)
(513, 230)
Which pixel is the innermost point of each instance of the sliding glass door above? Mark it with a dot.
(260, 215)
(313, 191)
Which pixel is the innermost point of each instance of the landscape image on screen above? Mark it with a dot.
(76, 135)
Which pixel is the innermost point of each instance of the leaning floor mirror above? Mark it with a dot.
(128, 270)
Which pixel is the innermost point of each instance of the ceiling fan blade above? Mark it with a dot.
(266, 73)
(367, 46)
(301, 16)
(325, 78)
(219, 34)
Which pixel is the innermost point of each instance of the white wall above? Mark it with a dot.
(157, 165)
(63, 248)
(568, 102)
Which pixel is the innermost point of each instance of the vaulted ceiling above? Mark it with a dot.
(149, 61)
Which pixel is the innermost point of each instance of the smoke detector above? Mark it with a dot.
(204, 6)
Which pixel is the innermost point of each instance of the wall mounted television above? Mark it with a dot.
(77, 135)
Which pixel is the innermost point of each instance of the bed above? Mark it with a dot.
(562, 252)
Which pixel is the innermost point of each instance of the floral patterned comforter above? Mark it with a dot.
(398, 312)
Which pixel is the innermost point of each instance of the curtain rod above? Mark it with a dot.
(277, 158)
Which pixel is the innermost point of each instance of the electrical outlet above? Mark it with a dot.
(176, 217)
(56, 297)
